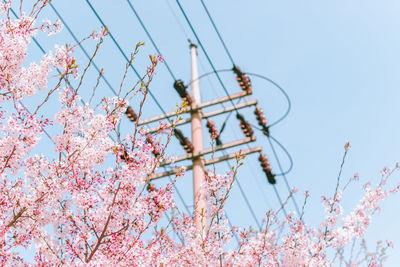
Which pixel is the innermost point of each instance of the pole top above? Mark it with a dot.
(191, 44)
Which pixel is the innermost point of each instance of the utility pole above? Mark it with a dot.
(195, 150)
(197, 140)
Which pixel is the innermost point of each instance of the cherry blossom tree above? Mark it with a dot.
(91, 202)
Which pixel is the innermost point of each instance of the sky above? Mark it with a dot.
(337, 60)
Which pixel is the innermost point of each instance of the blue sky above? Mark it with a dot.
(337, 60)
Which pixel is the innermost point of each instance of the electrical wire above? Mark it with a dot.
(261, 77)
(236, 179)
(284, 177)
(219, 35)
(124, 55)
(235, 133)
(151, 39)
(287, 154)
(244, 196)
(177, 20)
(81, 46)
(282, 147)
(280, 200)
(283, 173)
(280, 89)
(205, 53)
(173, 76)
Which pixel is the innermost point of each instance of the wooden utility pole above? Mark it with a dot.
(197, 140)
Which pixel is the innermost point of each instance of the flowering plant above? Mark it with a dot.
(91, 201)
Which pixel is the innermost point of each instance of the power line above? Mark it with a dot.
(205, 52)
(151, 39)
(282, 91)
(81, 46)
(244, 196)
(235, 133)
(283, 173)
(124, 55)
(177, 20)
(261, 77)
(219, 35)
(230, 167)
(173, 76)
(284, 176)
(110, 87)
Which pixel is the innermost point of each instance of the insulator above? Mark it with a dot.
(237, 71)
(188, 146)
(260, 116)
(265, 130)
(242, 79)
(249, 130)
(266, 166)
(180, 88)
(212, 129)
(178, 133)
(183, 93)
(218, 141)
(131, 114)
(184, 141)
(246, 128)
(240, 117)
(271, 178)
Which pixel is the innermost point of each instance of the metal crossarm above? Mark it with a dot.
(210, 150)
(207, 162)
(187, 110)
(210, 114)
